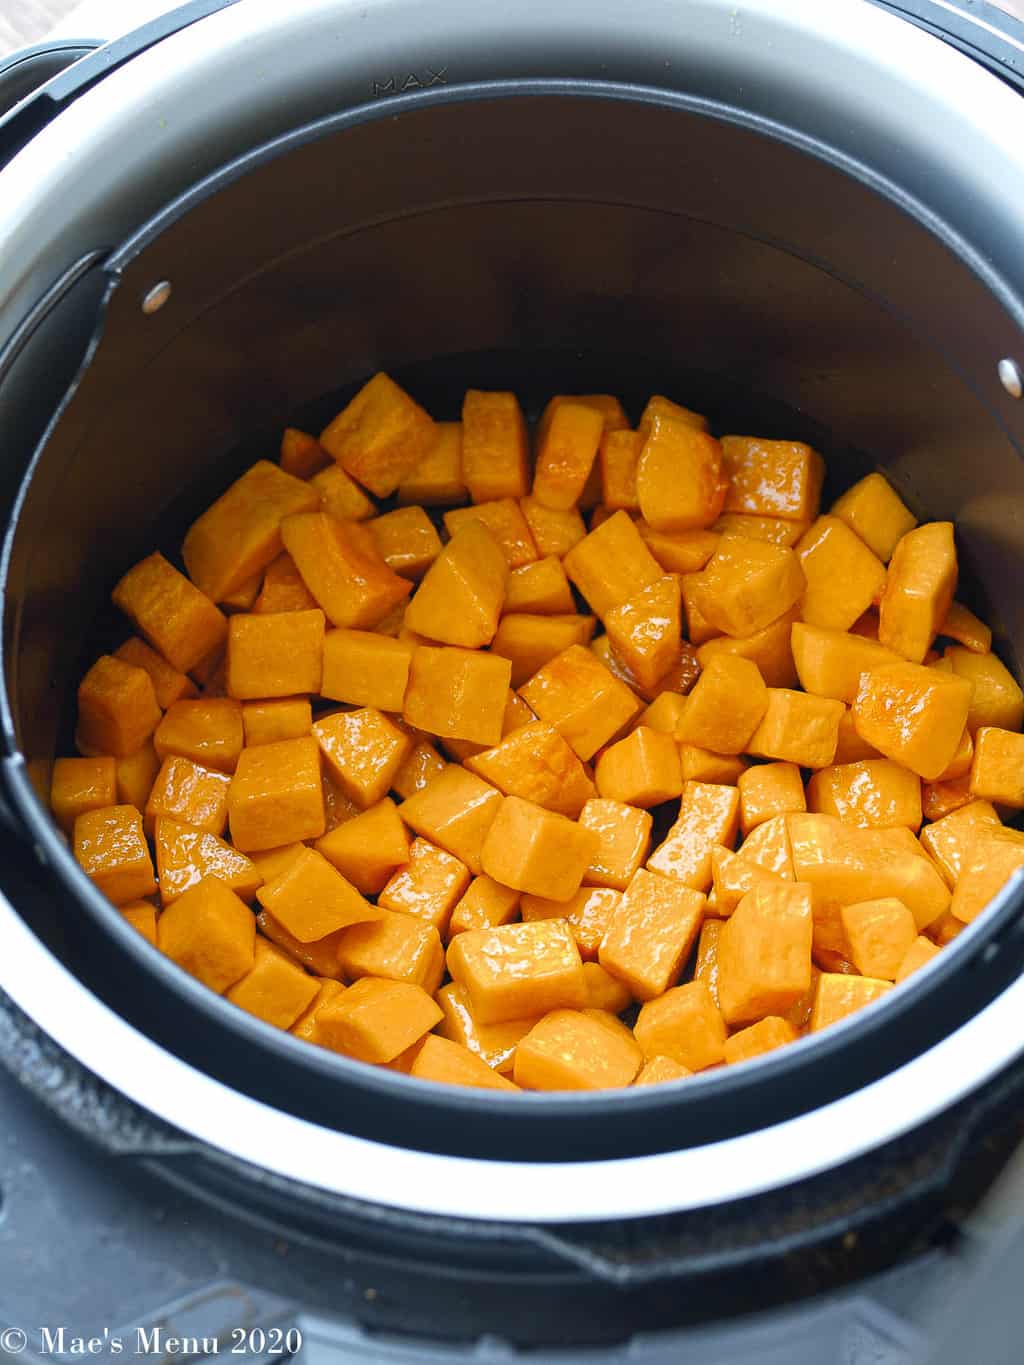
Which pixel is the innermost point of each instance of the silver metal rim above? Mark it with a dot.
(173, 112)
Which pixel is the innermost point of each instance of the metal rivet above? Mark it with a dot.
(155, 299)
(1010, 377)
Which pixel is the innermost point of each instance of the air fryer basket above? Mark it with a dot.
(540, 238)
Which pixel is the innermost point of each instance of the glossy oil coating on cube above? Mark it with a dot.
(407, 541)
(306, 1026)
(651, 933)
(987, 867)
(518, 970)
(460, 599)
(450, 1063)
(772, 478)
(362, 751)
(486, 904)
(423, 764)
(679, 552)
(581, 699)
(725, 706)
(837, 996)
(829, 662)
(623, 841)
(540, 588)
(210, 933)
(428, 885)
(530, 641)
(746, 585)
(208, 731)
(764, 953)
(536, 850)
(191, 793)
(641, 770)
(879, 934)
(571, 1050)
(276, 795)
(843, 576)
(757, 1039)
(645, 630)
(368, 848)
(117, 708)
(505, 521)
(343, 569)
(611, 564)
(732, 876)
(495, 451)
(312, 899)
(775, 530)
(458, 693)
(179, 621)
(919, 589)
(185, 856)
(536, 763)
(380, 436)
(685, 1025)
(397, 947)
(270, 722)
(455, 810)
(494, 1044)
(996, 699)
(913, 715)
(169, 685)
(708, 815)
(566, 451)
(78, 785)
(275, 655)
(436, 479)
(588, 914)
(376, 1019)
(274, 989)
(680, 482)
(997, 769)
(767, 790)
(876, 793)
(110, 847)
(798, 728)
(878, 515)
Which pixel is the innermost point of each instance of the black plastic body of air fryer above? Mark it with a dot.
(220, 372)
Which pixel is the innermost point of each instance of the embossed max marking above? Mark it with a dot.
(415, 80)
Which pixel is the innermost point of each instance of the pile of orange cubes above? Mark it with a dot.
(620, 763)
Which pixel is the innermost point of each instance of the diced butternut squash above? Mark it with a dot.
(276, 795)
(340, 495)
(302, 455)
(920, 952)
(942, 798)
(185, 856)
(755, 1040)
(117, 708)
(772, 478)
(651, 933)
(659, 1070)
(459, 601)
(458, 693)
(829, 663)
(770, 649)
(575, 1050)
(517, 970)
(407, 541)
(540, 588)
(365, 669)
(209, 732)
(306, 1026)
(798, 728)
(436, 478)
(963, 626)
(913, 715)
(110, 847)
(529, 642)
(380, 436)
(746, 585)
(191, 793)
(396, 946)
(537, 851)
(660, 406)
(769, 847)
(565, 454)
(705, 966)
(495, 451)
(283, 588)
(837, 996)
(367, 849)
(168, 684)
(555, 531)
(449, 1063)
(611, 564)
(725, 707)
(507, 525)
(767, 790)
(919, 589)
(703, 765)
(775, 530)
(645, 630)
(269, 722)
(342, 568)
(581, 699)
(142, 917)
(494, 1044)
(679, 552)
(423, 764)
(211, 933)
(618, 455)
(78, 785)
(733, 876)
(240, 533)
(376, 1019)
(708, 815)
(428, 886)
(764, 953)
(456, 810)
(179, 621)
(988, 866)
(680, 482)
(536, 763)
(641, 770)
(311, 899)
(273, 989)
(623, 840)
(876, 793)
(875, 511)
(997, 771)
(684, 1024)
(587, 914)
(996, 699)
(485, 905)
(604, 991)
(664, 713)
(362, 750)
(879, 934)
(843, 576)
(850, 747)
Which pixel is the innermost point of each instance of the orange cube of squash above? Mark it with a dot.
(772, 478)
(456, 810)
(651, 933)
(767, 790)
(529, 642)
(798, 728)
(876, 793)
(566, 452)
(210, 933)
(732, 876)
(276, 795)
(645, 630)
(540, 589)
(705, 967)
(829, 662)
(306, 1026)
(457, 693)
(684, 1024)
(274, 988)
(775, 530)
(459, 601)
(449, 1063)
(423, 764)
(168, 684)
(117, 708)
(604, 991)
(921, 951)
(913, 715)
(659, 1070)
(843, 576)
(185, 856)
(362, 750)
(680, 483)
(170, 612)
(764, 953)
(770, 649)
(340, 496)
(110, 847)
(504, 519)
(623, 840)
(269, 722)
(494, 1044)
(209, 732)
(768, 845)
(554, 532)
(997, 770)
(428, 885)
(964, 627)
(380, 436)
(942, 798)
(279, 655)
(320, 957)
(342, 568)
(368, 848)
(536, 850)
(988, 865)
(536, 763)
(396, 947)
(301, 455)
(587, 913)
(618, 455)
(495, 451)
(611, 564)
(518, 970)
(573, 1050)
(376, 1019)
(997, 698)
(78, 785)
(365, 669)
(660, 406)
(142, 917)
(191, 793)
(725, 707)
(879, 934)
(485, 905)
(702, 765)
(876, 512)
(283, 589)
(581, 699)
(679, 552)
(436, 479)
(238, 535)
(746, 585)
(755, 1040)
(641, 770)
(919, 589)
(311, 899)
(407, 541)
(708, 815)
(836, 996)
